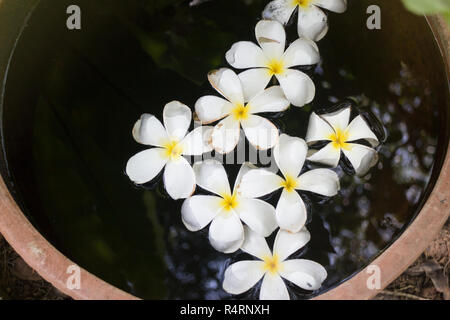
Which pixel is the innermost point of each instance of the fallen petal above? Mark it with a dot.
(179, 179)
(211, 109)
(361, 157)
(287, 243)
(146, 165)
(306, 274)
(177, 119)
(226, 233)
(198, 211)
(227, 83)
(242, 276)
(211, 176)
(273, 288)
(297, 86)
(312, 23)
(321, 181)
(149, 130)
(245, 55)
(255, 244)
(291, 211)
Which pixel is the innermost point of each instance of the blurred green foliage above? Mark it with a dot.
(429, 7)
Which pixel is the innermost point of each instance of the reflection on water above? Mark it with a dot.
(134, 57)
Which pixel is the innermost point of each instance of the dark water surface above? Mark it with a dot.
(72, 98)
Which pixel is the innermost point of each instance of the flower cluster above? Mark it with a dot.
(237, 217)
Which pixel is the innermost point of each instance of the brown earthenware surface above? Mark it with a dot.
(403, 252)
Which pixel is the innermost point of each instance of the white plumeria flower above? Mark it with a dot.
(270, 59)
(312, 21)
(290, 155)
(335, 127)
(225, 209)
(233, 111)
(171, 144)
(243, 275)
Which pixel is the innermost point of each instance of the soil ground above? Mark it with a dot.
(426, 279)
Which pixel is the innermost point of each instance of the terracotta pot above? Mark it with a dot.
(403, 252)
(55, 267)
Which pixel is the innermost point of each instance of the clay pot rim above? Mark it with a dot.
(54, 267)
(422, 230)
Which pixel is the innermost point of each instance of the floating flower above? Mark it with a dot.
(272, 267)
(312, 21)
(171, 144)
(342, 136)
(270, 59)
(290, 155)
(260, 132)
(225, 209)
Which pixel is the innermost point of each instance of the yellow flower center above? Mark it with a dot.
(240, 112)
(339, 139)
(301, 3)
(289, 184)
(229, 202)
(276, 67)
(272, 264)
(173, 150)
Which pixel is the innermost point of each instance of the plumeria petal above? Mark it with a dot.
(254, 81)
(146, 165)
(226, 233)
(225, 135)
(359, 129)
(318, 129)
(197, 142)
(280, 10)
(301, 52)
(361, 157)
(306, 274)
(211, 109)
(328, 155)
(339, 119)
(246, 167)
(246, 54)
(273, 288)
(149, 130)
(260, 132)
(198, 211)
(258, 215)
(297, 86)
(320, 181)
(291, 211)
(242, 276)
(211, 176)
(290, 155)
(270, 100)
(227, 83)
(255, 244)
(312, 23)
(177, 119)
(287, 243)
(271, 37)
(259, 182)
(179, 179)
(338, 6)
